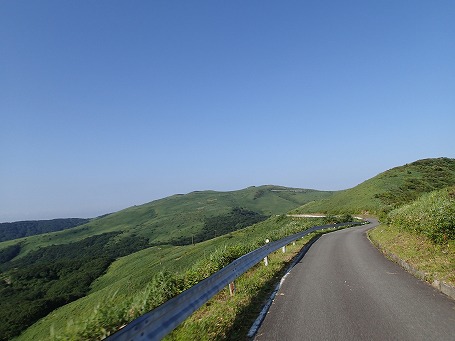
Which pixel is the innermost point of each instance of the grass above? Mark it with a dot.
(125, 290)
(437, 260)
(166, 220)
(433, 214)
(230, 317)
(128, 278)
(422, 233)
(388, 190)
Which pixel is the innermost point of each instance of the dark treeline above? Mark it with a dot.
(34, 285)
(9, 253)
(237, 219)
(20, 229)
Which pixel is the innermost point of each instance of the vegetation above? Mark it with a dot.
(43, 272)
(139, 257)
(20, 229)
(50, 277)
(422, 234)
(132, 278)
(215, 226)
(108, 316)
(230, 317)
(433, 215)
(437, 261)
(388, 190)
(177, 217)
(9, 253)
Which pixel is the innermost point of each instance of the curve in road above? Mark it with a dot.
(345, 289)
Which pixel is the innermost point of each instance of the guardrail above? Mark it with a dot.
(157, 323)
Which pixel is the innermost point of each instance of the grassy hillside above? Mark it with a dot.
(388, 190)
(129, 278)
(44, 272)
(135, 244)
(179, 216)
(432, 215)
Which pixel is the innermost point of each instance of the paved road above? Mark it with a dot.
(344, 289)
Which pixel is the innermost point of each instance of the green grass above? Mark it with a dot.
(437, 260)
(177, 216)
(230, 317)
(433, 215)
(174, 220)
(422, 234)
(388, 190)
(125, 289)
(128, 277)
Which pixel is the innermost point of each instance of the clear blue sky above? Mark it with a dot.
(108, 104)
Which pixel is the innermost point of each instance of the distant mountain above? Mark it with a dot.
(390, 189)
(20, 229)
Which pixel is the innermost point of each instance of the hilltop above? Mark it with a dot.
(388, 190)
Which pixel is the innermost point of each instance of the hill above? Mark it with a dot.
(148, 275)
(388, 190)
(120, 252)
(181, 217)
(20, 229)
(43, 272)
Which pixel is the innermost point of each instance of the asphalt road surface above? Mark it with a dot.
(345, 289)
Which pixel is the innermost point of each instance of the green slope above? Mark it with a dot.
(47, 271)
(128, 276)
(390, 189)
(165, 220)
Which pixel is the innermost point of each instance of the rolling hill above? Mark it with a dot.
(43, 272)
(388, 190)
(120, 252)
(181, 216)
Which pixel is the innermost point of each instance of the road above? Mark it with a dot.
(345, 289)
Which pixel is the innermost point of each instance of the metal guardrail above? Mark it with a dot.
(157, 323)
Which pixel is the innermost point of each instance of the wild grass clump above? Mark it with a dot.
(432, 215)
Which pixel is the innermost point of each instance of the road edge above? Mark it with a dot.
(441, 286)
(258, 322)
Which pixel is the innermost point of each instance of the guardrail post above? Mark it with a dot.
(266, 258)
(232, 288)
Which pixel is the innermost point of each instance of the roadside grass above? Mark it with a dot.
(230, 317)
(436, 260)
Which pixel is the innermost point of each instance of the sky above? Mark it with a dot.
(109, 104)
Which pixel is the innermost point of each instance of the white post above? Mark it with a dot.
(266, 258)
(231, 288)
(283, 249)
